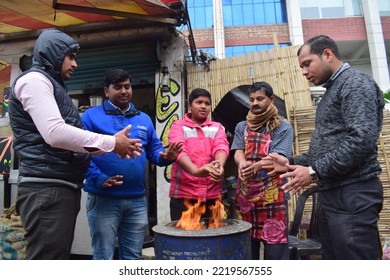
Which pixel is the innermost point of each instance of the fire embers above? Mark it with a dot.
(191, 219)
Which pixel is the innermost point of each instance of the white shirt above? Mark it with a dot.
(36, 94)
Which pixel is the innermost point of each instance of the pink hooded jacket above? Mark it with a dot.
(201, 144)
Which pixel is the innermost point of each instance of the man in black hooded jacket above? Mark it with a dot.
(53, 148)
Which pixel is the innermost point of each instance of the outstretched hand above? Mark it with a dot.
(126, 147)
(298, 178)
(173, 151)
(297, 175)
(275, 163)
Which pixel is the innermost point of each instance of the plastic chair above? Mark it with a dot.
(304, 248)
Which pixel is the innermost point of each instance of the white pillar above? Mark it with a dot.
(376, 44)
(169, 107)
(219, 33)
(294, 22)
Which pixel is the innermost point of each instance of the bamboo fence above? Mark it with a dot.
(279, 67)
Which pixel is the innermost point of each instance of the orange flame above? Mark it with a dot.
(218, 214)
(190, 219)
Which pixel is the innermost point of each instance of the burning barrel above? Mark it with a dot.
(229, 242)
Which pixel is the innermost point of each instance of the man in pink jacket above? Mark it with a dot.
(198, 171)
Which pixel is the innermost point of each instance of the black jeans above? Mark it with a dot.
(349, 222)
(48, 214)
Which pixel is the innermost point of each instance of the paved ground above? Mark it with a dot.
(148, 253)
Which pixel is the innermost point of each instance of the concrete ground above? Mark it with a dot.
(148, 254)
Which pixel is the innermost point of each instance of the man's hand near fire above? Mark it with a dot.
(126, 147)
(245, 170)
(275, 163)
(298, 175)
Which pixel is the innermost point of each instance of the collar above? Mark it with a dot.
(190, 123)
(111, 109)
(336, 74)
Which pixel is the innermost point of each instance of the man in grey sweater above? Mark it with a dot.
(343, 156)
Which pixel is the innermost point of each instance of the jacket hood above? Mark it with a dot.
(50, 49)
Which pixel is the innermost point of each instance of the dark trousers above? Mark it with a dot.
(177, 207)
(271, 251)
(48, 214)
(348, 227)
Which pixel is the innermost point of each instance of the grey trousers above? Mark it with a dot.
(349, 222)
(48, 214)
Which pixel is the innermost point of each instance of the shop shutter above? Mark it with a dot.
(139, 59)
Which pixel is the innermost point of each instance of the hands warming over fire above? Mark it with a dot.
(126, 147)
(213, 169)
(276, 163)
(246, 169)
(217, 171)
(173, 151)
(298, 175)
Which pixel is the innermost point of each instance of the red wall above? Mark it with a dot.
(340, 29)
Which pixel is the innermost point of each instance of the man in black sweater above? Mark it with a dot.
(343, 156)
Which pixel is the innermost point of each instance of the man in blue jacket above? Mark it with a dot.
(117, 204)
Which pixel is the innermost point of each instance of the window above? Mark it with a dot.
(330, 8)
(252, 12)
(238, 12)
(384, 8)
(200, 13)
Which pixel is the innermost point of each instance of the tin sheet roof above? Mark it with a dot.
(21, 15)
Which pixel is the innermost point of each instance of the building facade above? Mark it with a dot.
(361, 28)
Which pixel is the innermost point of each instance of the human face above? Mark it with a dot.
(68, 66)
(200, 109)
(317, 69)
(120, 94)
(259, 102)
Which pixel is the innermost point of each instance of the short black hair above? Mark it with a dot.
(195, 93)
(319, 43)
(115, 75)
(261, 86)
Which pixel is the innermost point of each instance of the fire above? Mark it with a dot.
(190, 219)
(218, 211)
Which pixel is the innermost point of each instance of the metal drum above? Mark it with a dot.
(231, 242)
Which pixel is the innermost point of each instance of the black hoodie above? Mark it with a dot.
(39, 162)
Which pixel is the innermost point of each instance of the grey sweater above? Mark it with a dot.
(343, 147)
